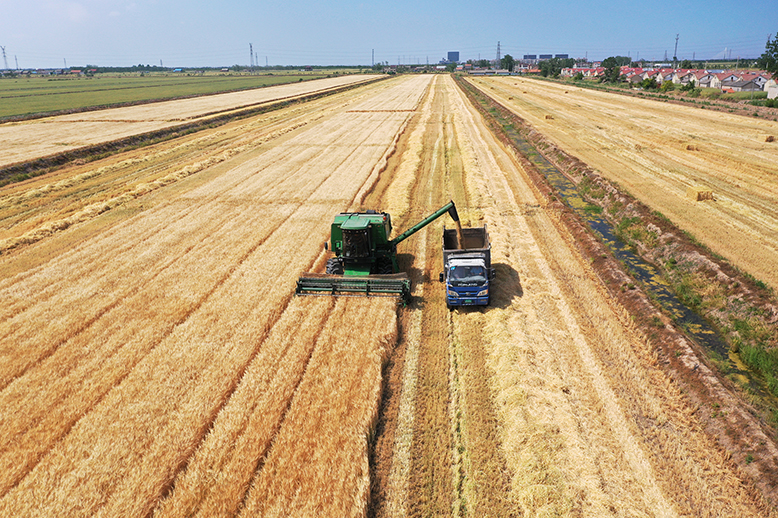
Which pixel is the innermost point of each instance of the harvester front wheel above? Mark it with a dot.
(384, 266)
(334, 266)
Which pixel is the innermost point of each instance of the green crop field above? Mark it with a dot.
(34, 95)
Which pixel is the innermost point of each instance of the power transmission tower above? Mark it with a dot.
(251, 54)
(498, 54)
(675, 53)
(4, 59)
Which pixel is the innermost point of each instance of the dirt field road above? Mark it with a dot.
(27, 140)
(154, 361)
(657, 150)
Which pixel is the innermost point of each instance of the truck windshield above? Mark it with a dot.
(462, 275)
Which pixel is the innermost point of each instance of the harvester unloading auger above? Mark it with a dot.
(365, 262)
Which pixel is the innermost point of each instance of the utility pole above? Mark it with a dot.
(372, 58)
(675, 53)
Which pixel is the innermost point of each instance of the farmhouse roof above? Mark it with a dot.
(727, 76)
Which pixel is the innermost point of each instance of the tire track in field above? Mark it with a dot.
(390, 453)
(433, 474)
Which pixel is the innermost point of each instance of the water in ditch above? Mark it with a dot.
(645, 273)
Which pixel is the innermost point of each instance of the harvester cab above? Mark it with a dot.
(365, 261)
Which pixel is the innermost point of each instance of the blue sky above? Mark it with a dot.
(46, 33)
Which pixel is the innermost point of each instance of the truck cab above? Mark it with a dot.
(467, 270)
(467, 282)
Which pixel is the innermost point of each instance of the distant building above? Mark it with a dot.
(528, 57)
(546, 56)
(561, 56)
(453, 57)
(772, 89)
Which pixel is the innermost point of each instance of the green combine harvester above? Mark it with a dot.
(365, 262)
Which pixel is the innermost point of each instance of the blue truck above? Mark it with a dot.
(467, 267)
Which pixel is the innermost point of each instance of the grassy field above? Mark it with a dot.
(27, 96)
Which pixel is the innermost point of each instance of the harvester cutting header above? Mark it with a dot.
(365, 261)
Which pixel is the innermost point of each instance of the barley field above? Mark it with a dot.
(154, 360)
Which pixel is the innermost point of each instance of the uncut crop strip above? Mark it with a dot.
(589, 424)
(318, 464)
(29, 306)
(178, 387)
(218, 475)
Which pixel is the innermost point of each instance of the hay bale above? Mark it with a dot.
(699, 194)
(549, 117)
(769, 138)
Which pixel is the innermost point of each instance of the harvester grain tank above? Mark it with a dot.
(467, 266)
(365, 262)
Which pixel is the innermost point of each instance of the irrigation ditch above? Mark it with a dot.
(677, 291)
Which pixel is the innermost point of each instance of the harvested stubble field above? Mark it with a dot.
(656, 151)
(27, 140)
(155, 363)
